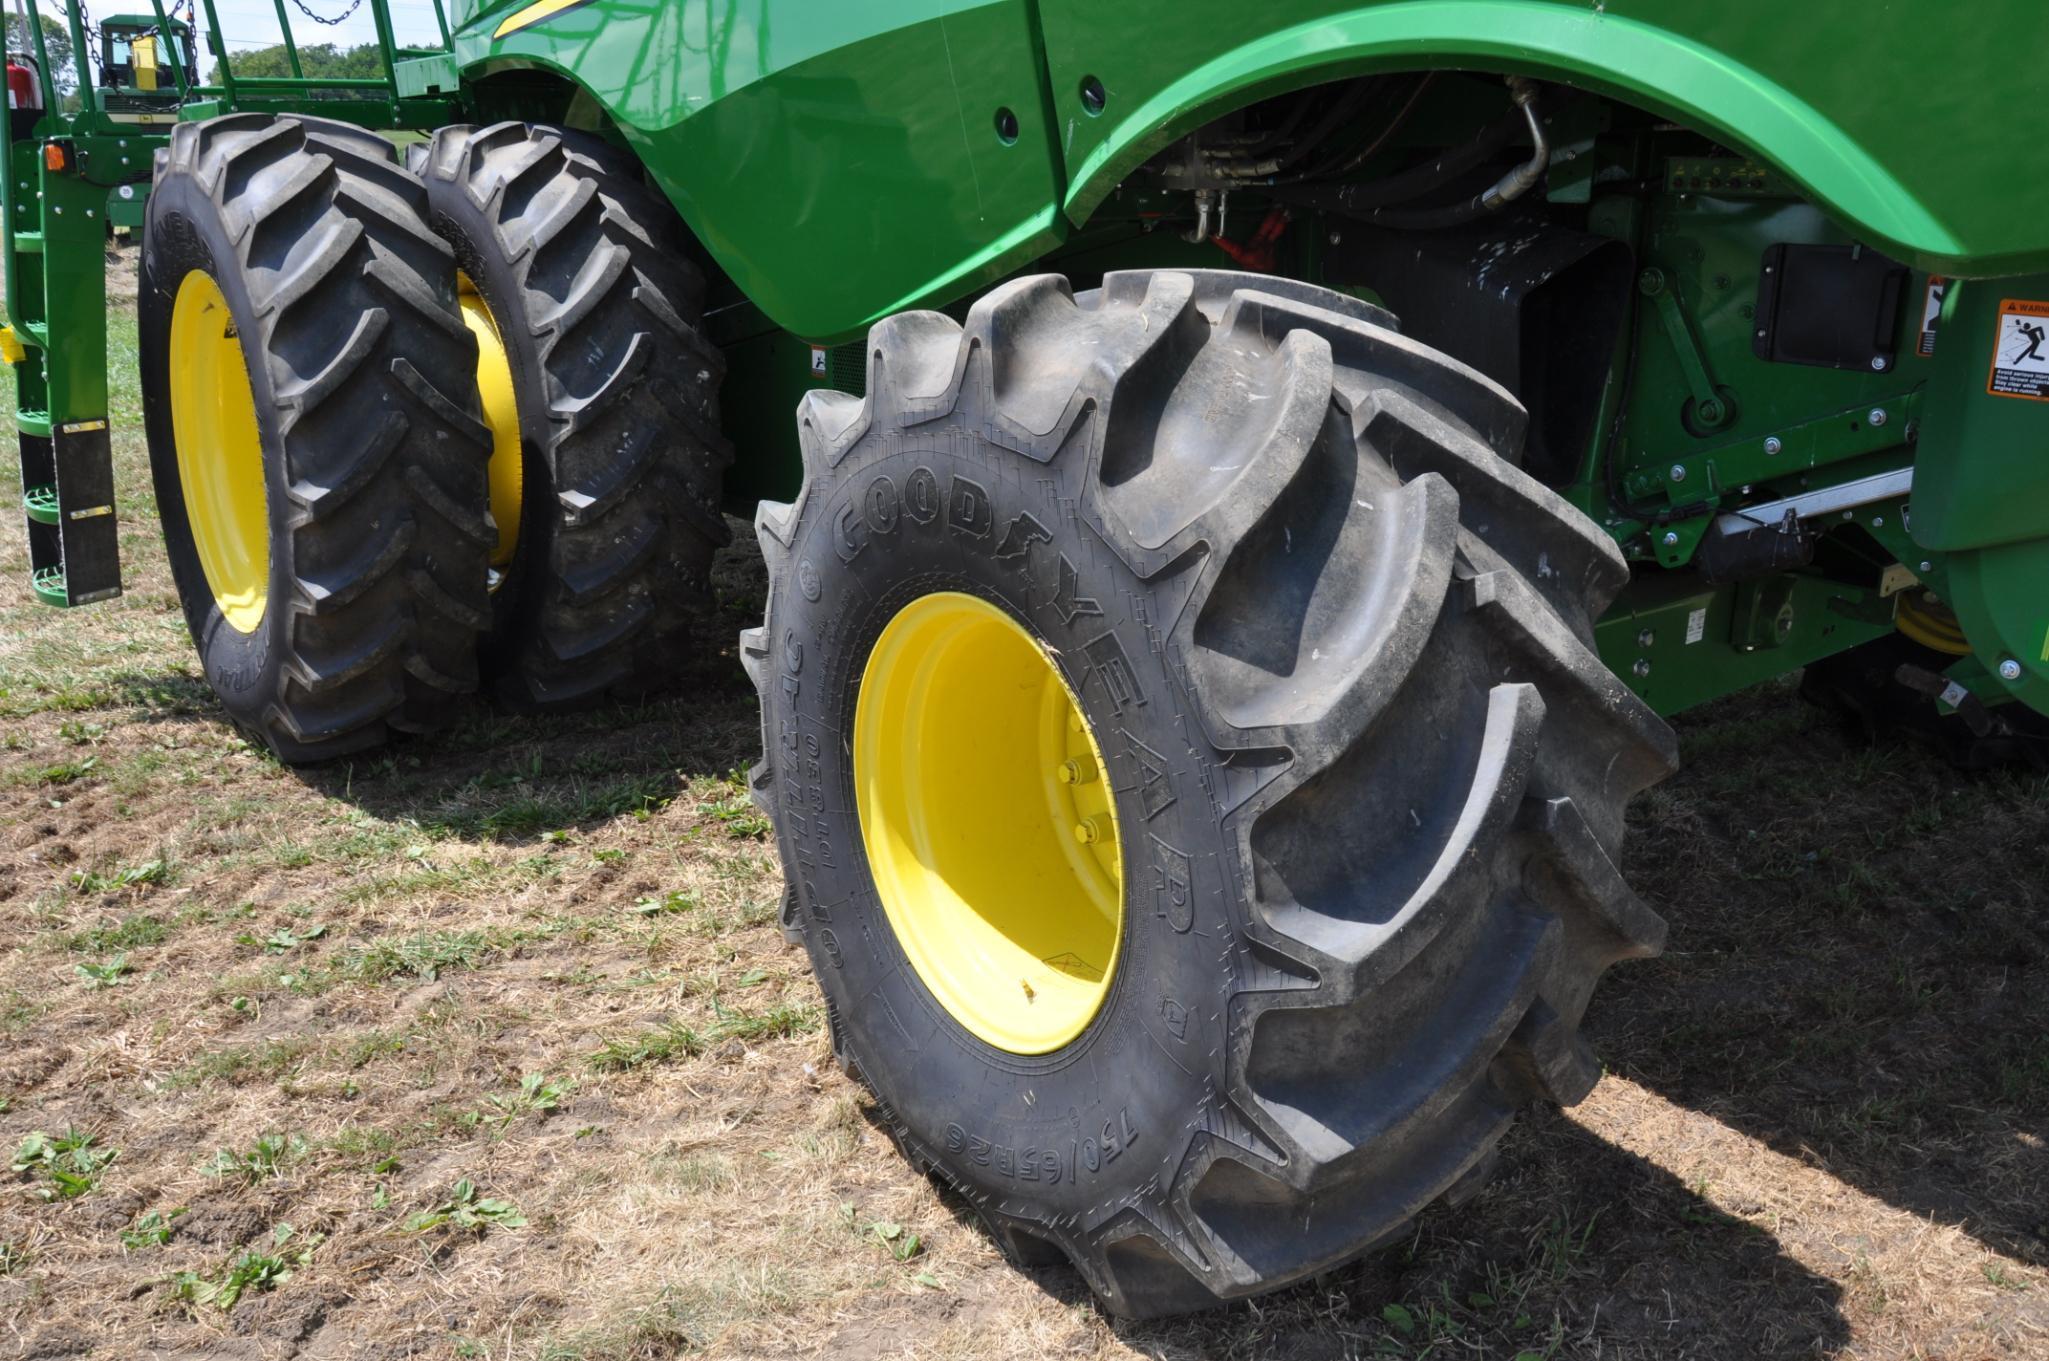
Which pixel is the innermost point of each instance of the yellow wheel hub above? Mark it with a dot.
(1930, 623)
(988, 820)
(220, 452)
(501, 414)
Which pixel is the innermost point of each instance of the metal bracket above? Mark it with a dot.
(1711, 410)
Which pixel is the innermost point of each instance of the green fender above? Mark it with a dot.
(844, 161)
(1896, 117)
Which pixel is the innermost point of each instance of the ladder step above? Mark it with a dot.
(29, 243)
(49, 587)
(41, 503)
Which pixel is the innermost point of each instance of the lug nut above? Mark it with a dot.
(1077, 770)
(1088, 831)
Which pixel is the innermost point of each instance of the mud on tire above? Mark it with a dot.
(373, 456)
(617, 393)
(1337, 651)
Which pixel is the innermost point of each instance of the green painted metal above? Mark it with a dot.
(65, 182)
(841, 162)
(41, 504)
(1845, 104)
(884, 117)
(1707, 249)
(1679, 644)
(1981, 488)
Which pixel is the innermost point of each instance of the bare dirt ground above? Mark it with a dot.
(489, 1047)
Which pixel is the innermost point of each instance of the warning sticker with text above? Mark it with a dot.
(1931, 315)
(2020, 352)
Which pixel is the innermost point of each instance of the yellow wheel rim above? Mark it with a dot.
(987, 816)
(220, 452)
(1930, 623)
(501, 414)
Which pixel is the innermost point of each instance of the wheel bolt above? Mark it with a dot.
(1088, 831)
(1076, 770)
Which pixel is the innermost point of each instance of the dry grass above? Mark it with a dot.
(311, 998)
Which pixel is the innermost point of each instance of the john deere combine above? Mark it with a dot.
(1258, 475)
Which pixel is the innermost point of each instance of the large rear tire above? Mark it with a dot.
(310, 396)
(581, 271)
(1367, 772)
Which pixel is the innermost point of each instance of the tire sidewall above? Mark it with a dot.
(184, 232)
(1107, 1117)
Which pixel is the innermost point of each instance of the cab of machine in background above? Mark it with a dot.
(140, 63)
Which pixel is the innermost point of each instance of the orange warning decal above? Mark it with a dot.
(2020, 351)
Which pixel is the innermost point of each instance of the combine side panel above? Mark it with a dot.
(841, 162)
(1981, 480)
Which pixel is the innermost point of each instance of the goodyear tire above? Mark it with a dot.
(310, 397)
(1365, 772)
(611, 513)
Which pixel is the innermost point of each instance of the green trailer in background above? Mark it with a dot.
(1240, 487)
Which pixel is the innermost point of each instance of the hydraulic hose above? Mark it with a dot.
(1492, 199)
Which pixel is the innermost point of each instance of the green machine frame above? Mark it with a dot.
(827, 189)
(69, 179)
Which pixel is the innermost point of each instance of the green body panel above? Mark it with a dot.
(1865, 106)
(840, 162)
(1706, 251)
(1981, 488)
(1679, 643)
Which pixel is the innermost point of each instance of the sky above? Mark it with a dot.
(250, 24)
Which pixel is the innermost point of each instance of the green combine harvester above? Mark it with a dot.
(1241, 486)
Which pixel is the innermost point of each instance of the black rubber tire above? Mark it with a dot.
(366, 399)
(1863, 687)
(1337, 651)
(584, 271)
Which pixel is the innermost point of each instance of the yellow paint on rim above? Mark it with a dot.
(989, 823)
(220, 451)
(501, 414)
(533, 14)
(1930, 623)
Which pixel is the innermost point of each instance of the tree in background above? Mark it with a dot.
(56, 39)
(320, 59)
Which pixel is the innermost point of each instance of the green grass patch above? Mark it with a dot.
(130, 933)
(237, 1064)
(674, 1041)
(148, 873)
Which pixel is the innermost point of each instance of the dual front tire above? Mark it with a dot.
(416, 434)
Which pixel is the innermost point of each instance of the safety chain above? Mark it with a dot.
(354, 5)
